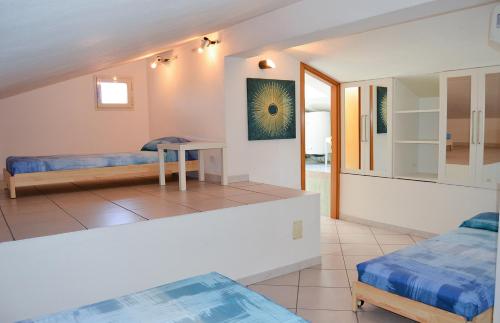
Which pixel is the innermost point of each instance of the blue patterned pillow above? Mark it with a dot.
(151, 146)
(485, 221)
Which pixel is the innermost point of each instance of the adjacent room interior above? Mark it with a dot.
(233, 161)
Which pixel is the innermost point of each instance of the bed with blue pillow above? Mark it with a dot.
(449, 278)
(38, 170)
(210, 298)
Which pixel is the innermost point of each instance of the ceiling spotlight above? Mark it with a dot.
(159, 59)
(266, 63)
(205, 43)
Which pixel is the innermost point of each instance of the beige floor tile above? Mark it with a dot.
(5, 234)
(140, 202)
(211, 204)
(383, 231)
(293, 310)
(352, 275)
(252, 197)
(286, 296)
(45, 229)
(330, 238)
(220, 191)
(323, 316)
(331, 262)
(328, 228)
(166, 210)
(243, 184)
(320, 298)
(119, 193)
(91, 207)
(343, 229)
(331, 249)
(394, 239)
(417, 238)
(371, 314)
(291, 279)
(184, 197)
(352, 261)
(388, 248)
(358, 249)
(35, 218)
(30, 208)
(366, 238)
(97, 220)
(323, 278)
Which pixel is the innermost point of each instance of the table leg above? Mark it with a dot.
(224, 167)
(182, 170)
(161, 162)
(201, 169)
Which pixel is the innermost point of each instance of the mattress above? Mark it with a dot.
(454, 271)
(21, 165)
(210, 298)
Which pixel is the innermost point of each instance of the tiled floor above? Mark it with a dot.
(46, 210)
(323, 293)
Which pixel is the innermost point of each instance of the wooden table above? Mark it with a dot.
(181, 148)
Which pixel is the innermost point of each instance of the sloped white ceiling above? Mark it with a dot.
(445, 42)
(46, 41)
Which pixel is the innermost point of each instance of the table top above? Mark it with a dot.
(207, 298)
(192, 145)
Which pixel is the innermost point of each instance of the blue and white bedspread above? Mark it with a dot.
(210, 298)
(20, 165)
(454, 271)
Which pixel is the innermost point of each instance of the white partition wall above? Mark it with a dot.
(250, 243)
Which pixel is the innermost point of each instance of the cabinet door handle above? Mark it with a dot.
(474, 127)
(478, 126)
(362, 127)
(366, 128)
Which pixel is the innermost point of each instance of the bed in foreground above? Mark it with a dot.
(207, 298)
(449, 278)
(22, 171)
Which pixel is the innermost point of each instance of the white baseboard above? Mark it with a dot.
(280, 271)
(386, 226)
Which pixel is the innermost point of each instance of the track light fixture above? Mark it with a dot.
(158, 59)
(205, 43)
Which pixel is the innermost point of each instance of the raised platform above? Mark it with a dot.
(246, 236)
(61, 208)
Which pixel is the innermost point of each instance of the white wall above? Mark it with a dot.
(268, 161)
(57, 272)
(423, 206)
(62, 118)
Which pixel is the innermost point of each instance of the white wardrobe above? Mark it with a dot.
(441, 127)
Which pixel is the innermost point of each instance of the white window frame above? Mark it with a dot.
(113, 106)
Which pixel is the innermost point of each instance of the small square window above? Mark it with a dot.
(114, 92)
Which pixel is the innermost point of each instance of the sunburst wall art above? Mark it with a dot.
(381, 109)
(271, 109)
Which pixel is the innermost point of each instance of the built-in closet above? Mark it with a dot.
(442, 127)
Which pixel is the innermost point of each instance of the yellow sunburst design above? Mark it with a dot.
(272, 109)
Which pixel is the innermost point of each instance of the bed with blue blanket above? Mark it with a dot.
(38, 170)
(210, 298)
(449, 278)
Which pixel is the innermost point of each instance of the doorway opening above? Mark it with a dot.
(320, 137)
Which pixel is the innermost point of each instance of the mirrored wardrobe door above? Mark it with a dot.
(487, 128)
(352, 128)
(458, 107)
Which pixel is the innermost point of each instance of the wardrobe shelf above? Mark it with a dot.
(427, 177)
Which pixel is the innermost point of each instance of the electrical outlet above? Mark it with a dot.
(297, 230)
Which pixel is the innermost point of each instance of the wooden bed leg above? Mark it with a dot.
(10, 182)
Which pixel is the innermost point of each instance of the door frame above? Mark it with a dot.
(334, 130)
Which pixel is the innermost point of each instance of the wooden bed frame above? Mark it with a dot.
(67, 176)
(409, 308)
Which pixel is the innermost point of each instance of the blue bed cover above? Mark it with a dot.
(454, 271)
(210, 298)
(20, 165)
